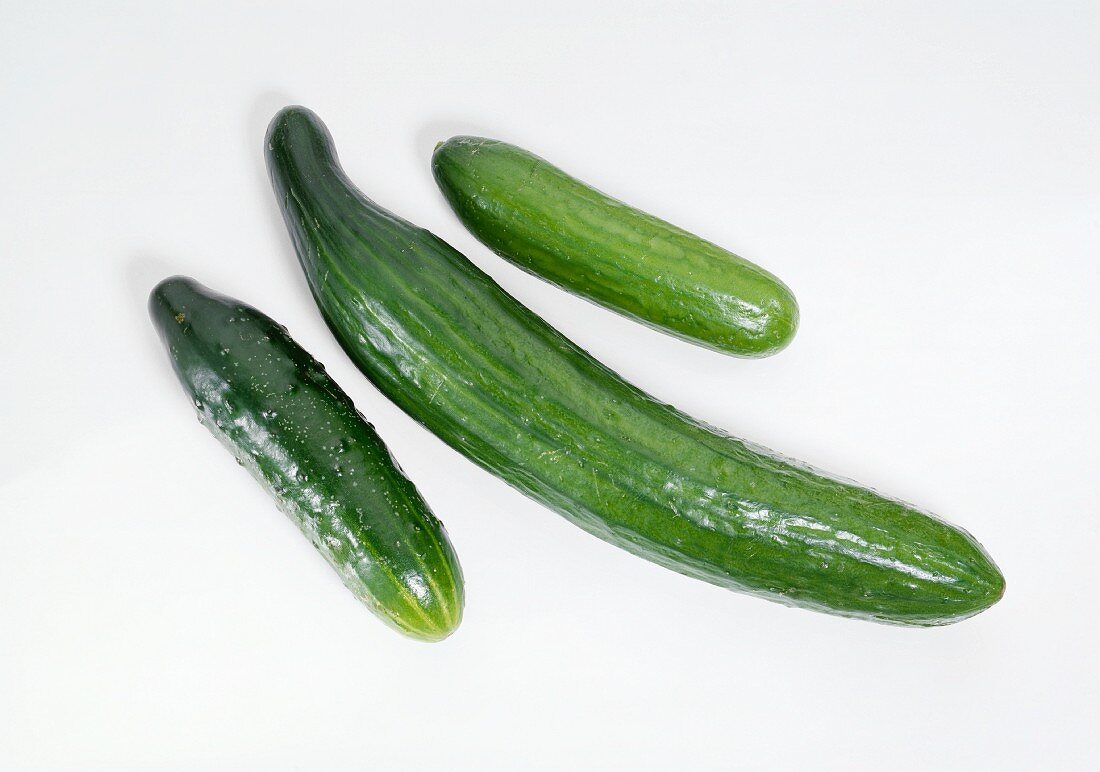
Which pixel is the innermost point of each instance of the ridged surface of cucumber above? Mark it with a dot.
(441, 339)
(277, 410)
(553, 225)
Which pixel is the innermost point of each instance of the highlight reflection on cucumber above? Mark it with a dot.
(277, 410)
(442, 340)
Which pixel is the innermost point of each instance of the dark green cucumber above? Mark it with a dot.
(557, 227)
(493, 380)
(277, 410)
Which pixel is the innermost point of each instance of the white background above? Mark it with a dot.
(925, 176)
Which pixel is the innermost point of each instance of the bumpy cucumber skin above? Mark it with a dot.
(277, 410)
(442, 340)
(554, 226)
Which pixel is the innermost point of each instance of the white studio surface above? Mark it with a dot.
(925, 177)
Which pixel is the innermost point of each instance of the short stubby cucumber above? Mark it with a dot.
(277, 410)
(554, 226)
(464, 358)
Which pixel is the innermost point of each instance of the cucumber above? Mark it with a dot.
(562, 230)
(497, 383)
(277, 410)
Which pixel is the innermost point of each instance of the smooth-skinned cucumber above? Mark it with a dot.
(497, 383)
(277, 410)
(556, 227)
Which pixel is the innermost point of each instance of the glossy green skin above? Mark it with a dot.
(557, 227)
(501, 386)
(277, 410)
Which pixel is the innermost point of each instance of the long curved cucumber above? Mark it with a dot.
(554, 226)
(277, 410)
(442, 340)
